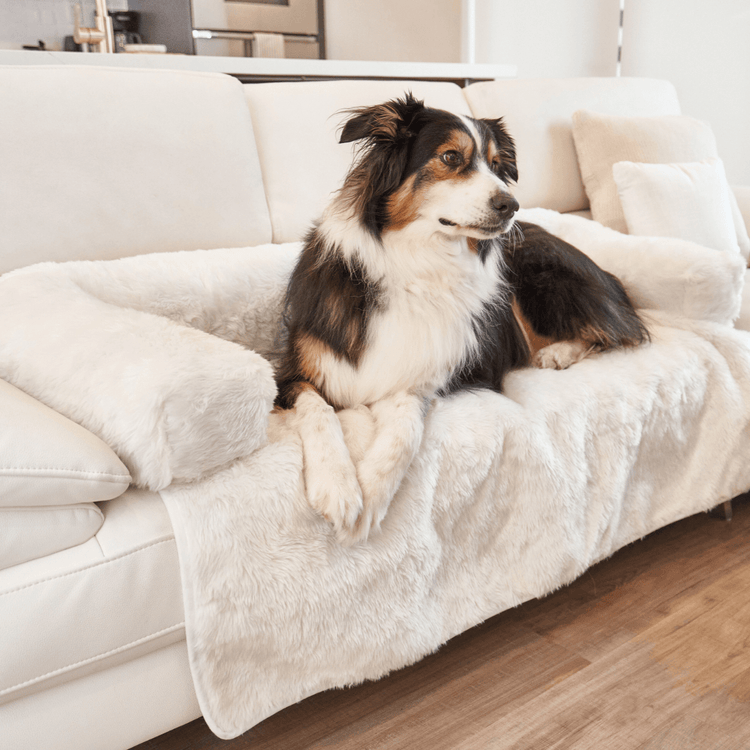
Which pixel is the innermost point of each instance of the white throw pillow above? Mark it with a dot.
(45, 459)
(603, 140)
(689, 201)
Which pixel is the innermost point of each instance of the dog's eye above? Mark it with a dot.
(452, 158)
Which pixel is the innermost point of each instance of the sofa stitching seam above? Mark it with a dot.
(11, 470)
(91, 659)
(47, 508)
(87, 567)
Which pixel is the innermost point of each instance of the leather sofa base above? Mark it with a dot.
(116, 708)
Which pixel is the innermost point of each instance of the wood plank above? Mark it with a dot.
(625, 700)
(622, 596)
(488, 672)
(704, 641)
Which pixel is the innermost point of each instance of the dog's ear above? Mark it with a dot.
(506, 148)
(386, 131)
(391, 121)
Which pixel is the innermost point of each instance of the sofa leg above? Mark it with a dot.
(724, 510)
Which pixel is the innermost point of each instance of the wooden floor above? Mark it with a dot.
(649, 649)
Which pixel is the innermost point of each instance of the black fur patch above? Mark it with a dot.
(565, 295)
(329, 300)
(502, 349)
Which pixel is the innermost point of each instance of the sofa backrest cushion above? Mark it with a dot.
(538, 114)
(100, 163)
(297, 131)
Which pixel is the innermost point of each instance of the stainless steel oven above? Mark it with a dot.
(263, 28)
(259, 28)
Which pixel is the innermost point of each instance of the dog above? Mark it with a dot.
(418, 281)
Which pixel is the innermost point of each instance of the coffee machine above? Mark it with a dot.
(126, 24)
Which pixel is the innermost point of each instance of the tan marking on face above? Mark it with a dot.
(403, 205)
(534, 341)
(461, 142)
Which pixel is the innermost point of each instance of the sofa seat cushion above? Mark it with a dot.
(538, 115)
(296, 128)
(109, 600)
(28, 533)
(105, 163)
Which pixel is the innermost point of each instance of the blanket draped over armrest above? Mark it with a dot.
(509, 497)
(122, 348)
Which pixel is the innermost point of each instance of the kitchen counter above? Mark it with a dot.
(260, 69)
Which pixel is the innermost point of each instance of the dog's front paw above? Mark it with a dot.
(400, 424)
(334, 492)
(331, 483)
(377, 493)
(560, 355)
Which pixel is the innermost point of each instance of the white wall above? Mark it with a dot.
(702, 47)
(549, 38)
(398, 30)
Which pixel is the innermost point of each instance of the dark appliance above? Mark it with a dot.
(126, 25)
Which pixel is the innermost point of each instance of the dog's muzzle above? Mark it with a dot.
(505, 206)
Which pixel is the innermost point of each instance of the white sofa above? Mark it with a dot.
(101, 164)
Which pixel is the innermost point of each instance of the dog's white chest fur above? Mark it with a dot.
(432, 293)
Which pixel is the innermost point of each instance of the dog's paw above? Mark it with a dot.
(560, 355)
(400, 425)
(331, 483)
(377, 493)
(333, 491)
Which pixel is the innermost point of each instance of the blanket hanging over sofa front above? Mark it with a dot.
(510, 496)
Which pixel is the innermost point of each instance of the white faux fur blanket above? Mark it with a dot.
(510, 496)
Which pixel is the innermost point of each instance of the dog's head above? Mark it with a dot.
(422, 164)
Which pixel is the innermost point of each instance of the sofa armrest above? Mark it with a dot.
(659, 273)
(236, 294)
(174, 403)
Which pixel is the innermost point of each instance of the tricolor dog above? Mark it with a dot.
(417, 281)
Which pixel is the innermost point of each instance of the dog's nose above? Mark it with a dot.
(505, 204)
